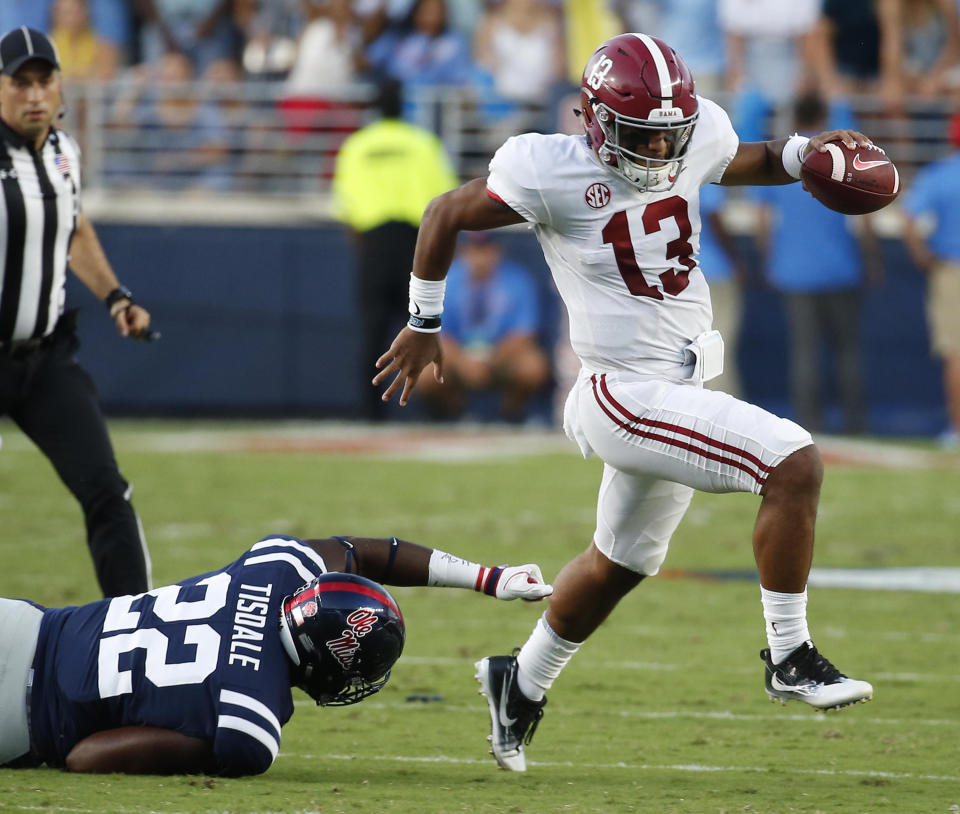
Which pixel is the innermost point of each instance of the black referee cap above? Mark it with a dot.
(23, 44)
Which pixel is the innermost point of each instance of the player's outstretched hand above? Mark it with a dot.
(522, 582)
(409, 354)
(852, 138)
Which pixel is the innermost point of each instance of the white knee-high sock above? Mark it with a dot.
(542, 659)
(786, 617)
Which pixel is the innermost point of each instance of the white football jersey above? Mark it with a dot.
(623, 261)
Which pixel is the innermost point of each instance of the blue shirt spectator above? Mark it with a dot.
(479, 313)
(713, 259)
(112, 20)
(424, 50)
(820, 266)
(822, 255)
(692, 29)
(491, 322)
(716, 260)
(200, 29)
(934, 193)
(31, 13)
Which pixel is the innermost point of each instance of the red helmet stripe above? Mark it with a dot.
(350, 587)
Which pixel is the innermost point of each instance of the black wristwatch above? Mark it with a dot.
(121, 292)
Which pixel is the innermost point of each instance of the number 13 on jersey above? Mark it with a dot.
(617, 234)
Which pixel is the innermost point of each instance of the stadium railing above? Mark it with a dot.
(250, 152)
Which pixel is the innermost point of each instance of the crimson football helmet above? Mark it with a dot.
(343, 633)
(637, 91)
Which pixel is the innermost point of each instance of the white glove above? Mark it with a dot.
(523, 582)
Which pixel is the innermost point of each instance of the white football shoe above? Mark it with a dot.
(513, 716)
(807, 676)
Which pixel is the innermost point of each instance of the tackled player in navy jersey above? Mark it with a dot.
(197, 676)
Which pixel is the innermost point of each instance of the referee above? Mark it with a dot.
(42, 231)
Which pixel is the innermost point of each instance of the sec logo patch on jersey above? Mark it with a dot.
(597, 195)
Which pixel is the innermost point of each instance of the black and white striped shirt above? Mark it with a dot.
(39, 205)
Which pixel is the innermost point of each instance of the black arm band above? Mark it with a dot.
(349, 555)
(121, 292)
(388, 568)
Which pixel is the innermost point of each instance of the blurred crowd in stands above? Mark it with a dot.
(516, 61)
(258, 95)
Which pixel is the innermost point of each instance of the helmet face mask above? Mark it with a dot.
(639, 109)
(343, 633)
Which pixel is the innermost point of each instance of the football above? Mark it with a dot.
(853, 182)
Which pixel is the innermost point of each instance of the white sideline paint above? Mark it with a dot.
(927, 580)
(721, 715)
(646, 767)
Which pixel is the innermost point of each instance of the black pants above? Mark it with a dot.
(831, 319)
(385, 256)
(54, 401)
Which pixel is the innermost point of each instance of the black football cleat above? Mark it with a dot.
(807, 676)
(513, 716)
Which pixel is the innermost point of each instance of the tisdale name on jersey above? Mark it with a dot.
(249, 620)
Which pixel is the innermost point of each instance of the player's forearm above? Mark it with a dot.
(771, 170)
(141, 750)
(390, 561)
(757, 163)
(401, 563)
(437, 238)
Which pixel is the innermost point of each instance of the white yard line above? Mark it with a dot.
(810, 716)
(645, 767)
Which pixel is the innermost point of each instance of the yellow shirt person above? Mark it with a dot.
(385, 175)
(389, 171)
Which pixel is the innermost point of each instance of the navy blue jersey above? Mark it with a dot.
(202, 657)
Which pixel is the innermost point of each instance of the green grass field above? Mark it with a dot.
(662, 710)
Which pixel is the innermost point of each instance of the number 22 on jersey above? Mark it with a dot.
(166, 606)
(617, 234)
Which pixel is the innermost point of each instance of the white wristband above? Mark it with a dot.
(792, 156)
(448, 571)
(426, 296)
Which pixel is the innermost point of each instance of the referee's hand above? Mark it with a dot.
(131, 319)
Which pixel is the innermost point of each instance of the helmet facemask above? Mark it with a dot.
(624, 136)
(338, 690)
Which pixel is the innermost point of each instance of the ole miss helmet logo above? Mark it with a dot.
(597, 195)
(344, 648)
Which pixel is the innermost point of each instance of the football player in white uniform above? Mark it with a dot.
(617, 215)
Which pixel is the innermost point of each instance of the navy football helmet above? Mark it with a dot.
(343, 633)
